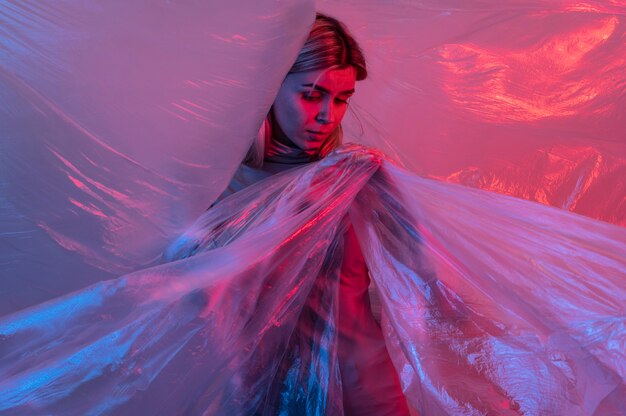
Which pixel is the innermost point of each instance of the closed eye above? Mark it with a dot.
(311, 97)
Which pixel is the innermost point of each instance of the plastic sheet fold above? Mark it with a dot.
(121, 122)
(112, 127)
(485, 88)
(515, 311)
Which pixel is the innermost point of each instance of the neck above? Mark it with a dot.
(278, 152)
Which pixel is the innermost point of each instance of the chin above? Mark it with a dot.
(313, 145)
(309, 144)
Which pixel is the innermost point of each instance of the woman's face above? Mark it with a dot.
(310, 105)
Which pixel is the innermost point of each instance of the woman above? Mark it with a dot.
(461, 351)
(303, 125)
(270, 314)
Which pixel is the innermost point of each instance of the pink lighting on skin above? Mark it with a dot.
(554, 79)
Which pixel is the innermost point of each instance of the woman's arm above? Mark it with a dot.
(188, 244)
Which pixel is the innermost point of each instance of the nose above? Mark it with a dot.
(326, 114)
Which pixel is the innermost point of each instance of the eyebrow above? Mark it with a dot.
(317, 87)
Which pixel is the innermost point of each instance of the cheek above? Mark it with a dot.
(285, 113)
(302, 110)
(341, 113)
(296, 111)
(307, 113)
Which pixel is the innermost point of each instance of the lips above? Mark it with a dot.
(319, 133)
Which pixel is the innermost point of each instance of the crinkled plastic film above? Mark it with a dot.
(114, 131)
(523, 98)
(476, 320)
(223, 317)
(511, 311)
(121, 123)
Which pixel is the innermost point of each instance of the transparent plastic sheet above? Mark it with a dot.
(120, 123)
(476, 92)
(525, 98)
(208, 333)
(117, 127)
(516, 312)
(495, 305)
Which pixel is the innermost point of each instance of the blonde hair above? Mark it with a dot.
(329, 46)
